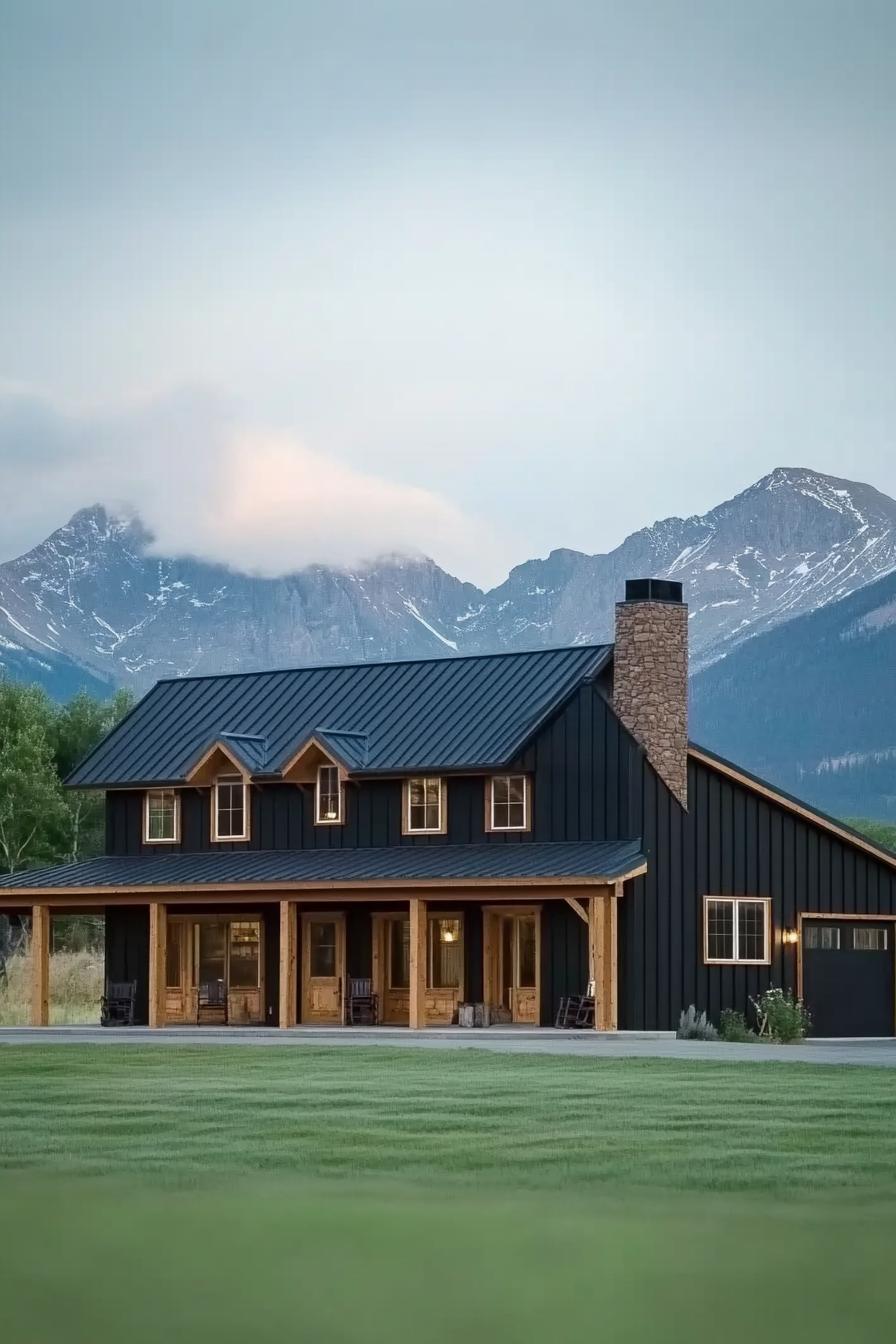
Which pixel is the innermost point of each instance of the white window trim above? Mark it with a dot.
(490, 823)
(406, 827)
(166, 840)
(227, 839)
(340, 818)
(735, 960)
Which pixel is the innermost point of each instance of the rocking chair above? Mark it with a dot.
(211, 997)
(361, 1004)
(577, 1010)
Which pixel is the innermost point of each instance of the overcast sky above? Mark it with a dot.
(308, 281)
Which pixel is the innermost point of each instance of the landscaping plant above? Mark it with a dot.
(733, 1026)
(781, 1015)
(694, 1026)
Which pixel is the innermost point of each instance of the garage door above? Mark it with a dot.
(848, 977)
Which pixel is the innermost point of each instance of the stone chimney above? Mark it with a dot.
(650, 676)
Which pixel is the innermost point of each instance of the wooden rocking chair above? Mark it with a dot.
(577, 1010)
(117, 1004)
(361, 1004)
(211, 997)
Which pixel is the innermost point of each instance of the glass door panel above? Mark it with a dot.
(211, 957)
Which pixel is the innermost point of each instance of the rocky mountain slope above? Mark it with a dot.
(789, 544)
(810, 705)
(93, 597)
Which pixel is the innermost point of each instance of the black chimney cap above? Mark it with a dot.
(652, 590)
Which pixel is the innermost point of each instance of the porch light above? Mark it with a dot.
(447, 934)
(790, 937)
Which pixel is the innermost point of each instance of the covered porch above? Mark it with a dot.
(296, 952)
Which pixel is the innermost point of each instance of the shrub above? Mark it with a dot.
(694, 1026)
(733, 1026)
(782, 1016)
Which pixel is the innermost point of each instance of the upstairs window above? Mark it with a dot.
(507, 803)
(230, 812)
(424, 806)
(737, 930)
(328, 796)
(161, 817)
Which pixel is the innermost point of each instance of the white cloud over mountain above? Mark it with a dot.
(207, 484)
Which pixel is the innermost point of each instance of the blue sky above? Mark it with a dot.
(478, 279)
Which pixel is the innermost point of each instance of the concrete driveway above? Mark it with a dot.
(544, 1041)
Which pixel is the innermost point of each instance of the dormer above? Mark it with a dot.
(226, 766)
(325, 759)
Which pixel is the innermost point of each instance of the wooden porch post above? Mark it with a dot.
(603, 956)
(289, 962)
(417, 1013)
(158, 942)
(40, 966)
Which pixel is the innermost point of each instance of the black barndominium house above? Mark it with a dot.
(385, 842)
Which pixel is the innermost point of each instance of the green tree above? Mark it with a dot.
(40, 744)
(881, 832)
(33, 814)
(77, 728)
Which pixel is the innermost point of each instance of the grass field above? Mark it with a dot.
(327, 1195)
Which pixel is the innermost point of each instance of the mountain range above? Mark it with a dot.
(94, 605)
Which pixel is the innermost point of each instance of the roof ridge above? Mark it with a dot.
(388, 662)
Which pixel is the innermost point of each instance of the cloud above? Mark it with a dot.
(207, 484)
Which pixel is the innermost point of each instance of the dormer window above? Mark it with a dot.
(508, 803)
(230, 809)
(328, 796)
(424, 806)
(161, 817)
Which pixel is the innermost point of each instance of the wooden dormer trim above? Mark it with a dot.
(302, 767)
(217, 760)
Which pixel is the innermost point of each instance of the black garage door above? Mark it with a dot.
(848, 977)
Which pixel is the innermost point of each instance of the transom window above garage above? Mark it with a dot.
(737, 929)
(822, 938)
(869, 940)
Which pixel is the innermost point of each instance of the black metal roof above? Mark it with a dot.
(438, 714)
(581, 860)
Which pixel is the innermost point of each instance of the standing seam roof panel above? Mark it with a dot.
(439, 713)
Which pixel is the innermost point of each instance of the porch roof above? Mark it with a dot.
(551, 863)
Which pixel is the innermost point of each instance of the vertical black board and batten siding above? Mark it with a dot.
(732, 841)
(583, 766)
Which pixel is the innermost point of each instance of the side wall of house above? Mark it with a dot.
(732, 842)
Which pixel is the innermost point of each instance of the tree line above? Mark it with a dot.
(40, 744)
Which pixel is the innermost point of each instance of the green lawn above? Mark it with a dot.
(371, 1194)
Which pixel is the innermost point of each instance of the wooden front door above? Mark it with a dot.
(512, 957)
(323, 968)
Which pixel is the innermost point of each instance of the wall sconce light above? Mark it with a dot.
(790, 937)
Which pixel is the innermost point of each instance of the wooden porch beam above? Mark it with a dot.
(289, 964)
(158, 942)
(417, 1013)
(40, 966)
(574, 905)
